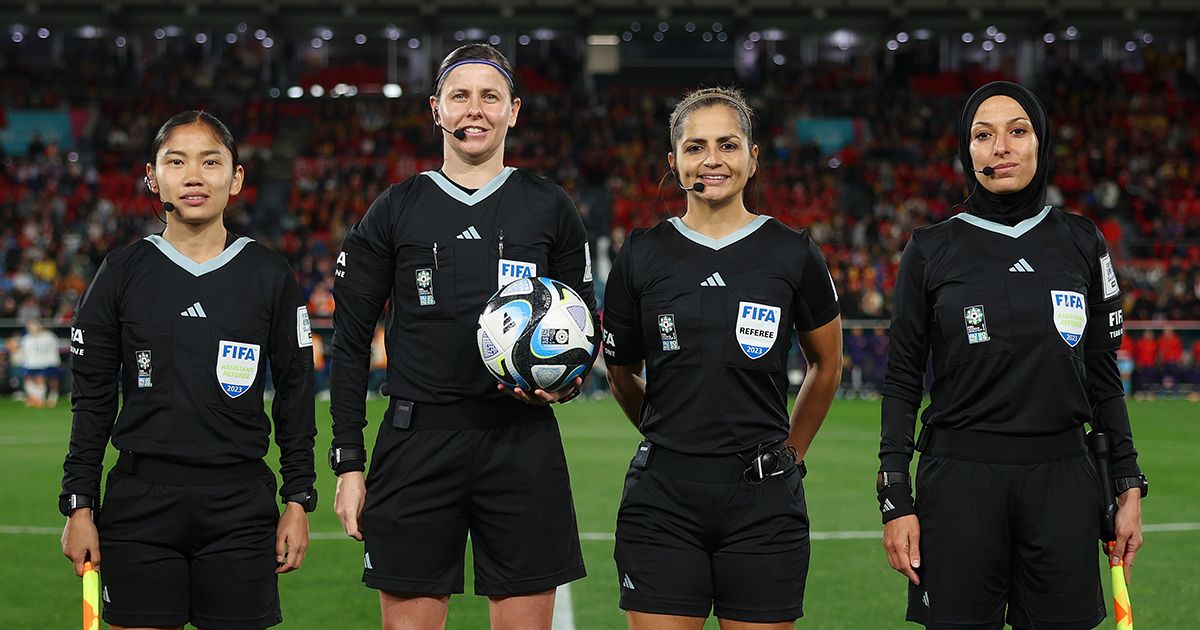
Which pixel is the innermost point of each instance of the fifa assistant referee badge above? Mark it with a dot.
(307, 499)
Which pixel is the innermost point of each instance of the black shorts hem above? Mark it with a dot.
(659, 608)
(224, 623)
(760, 616)
(941, 625)
(1086, 624)
(132, 619)
(533, 585)
(416, 587)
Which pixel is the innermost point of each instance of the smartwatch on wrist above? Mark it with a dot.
(339, 455)
(885, 479)
(71, 502)
(307, 499)
(1123, 484)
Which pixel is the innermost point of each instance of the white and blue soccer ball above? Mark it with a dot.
(536, 333)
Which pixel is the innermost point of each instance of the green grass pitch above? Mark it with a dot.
(849, 585)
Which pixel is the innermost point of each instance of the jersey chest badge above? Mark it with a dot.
(144, 368)
(237, 365)
(668, 332)
(1070, 315)
(757, 328)
(511, 270)
(976, 320)
(425, 287)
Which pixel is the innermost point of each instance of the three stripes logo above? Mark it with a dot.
(887, 505)
(194, 310)
(1021, 266)
(469, 234)
(627, 583)
(714, 280)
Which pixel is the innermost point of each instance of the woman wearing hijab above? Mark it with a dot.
(1018, 305)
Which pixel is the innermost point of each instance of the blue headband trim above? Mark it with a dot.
(485, 62)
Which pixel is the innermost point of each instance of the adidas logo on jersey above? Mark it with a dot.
(714, 280)
(627, 583)
(469, 234)
(367, 561)
(194, 310)
(1021, 266)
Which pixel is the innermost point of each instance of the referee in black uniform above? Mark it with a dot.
(183, 325)
(1019, 306)
(455, 453)
(713, 515)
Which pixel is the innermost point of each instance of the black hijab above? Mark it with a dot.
(1007, 208)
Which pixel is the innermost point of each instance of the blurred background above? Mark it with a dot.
(856, 118)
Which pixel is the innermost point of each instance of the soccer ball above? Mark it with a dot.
(536, 333)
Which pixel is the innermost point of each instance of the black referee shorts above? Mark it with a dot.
(1008, 542)
(507, 485)
(182, 544)
(693, 536)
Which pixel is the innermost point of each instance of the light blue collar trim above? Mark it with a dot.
(718, 243)
(466, 198)
(193, 267)
(1015, 231)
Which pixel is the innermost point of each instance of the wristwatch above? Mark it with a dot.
(1127, 483)
(339, 455)
(71, 502)
(885, 479)
(307, 499)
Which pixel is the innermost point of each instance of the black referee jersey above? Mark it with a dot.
(191, 343)
(1023, 324)
(713, 320)
(438, 252)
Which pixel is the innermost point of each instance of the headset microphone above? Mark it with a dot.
(696, 187)
(458, 134)
(987, 172)
(168, 206)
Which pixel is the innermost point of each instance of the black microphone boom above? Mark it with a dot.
(697, 187)
(168, 206)
(987, 171)
(458, 134)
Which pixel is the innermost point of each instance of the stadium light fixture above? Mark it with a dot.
(902, 37)
(1048, 38)
(988, 45)
(392, 90)
(43, 33)
(893, 44)
(268, 42)
(120, 41)
(230, 38)
(967, 38)
(260, 34)
(414, 43)
(603, 40)
(295, 91)
(316, 90)
(201, 38)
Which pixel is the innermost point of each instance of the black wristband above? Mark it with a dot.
(347, 458)
(895, 500)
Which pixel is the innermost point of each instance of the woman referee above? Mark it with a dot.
(713, 515)
(1019, 306)
(455, 453)
(183, 324)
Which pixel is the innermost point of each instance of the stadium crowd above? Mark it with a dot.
(1127, 147)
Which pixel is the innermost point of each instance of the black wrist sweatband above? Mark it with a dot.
(895, 500)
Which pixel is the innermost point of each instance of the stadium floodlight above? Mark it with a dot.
(902, 37)
(967, 38)
(120, 41)
(295, 91)
(524, 40)
(893, 44)
(779, 59)
(316, 90)
(260, 34)
(360, 39)
(1000, 37)
(988, 45)
(230, 38)
(414, 43)
(1048, 38)
(201, 38)
(603, 40)
(392, 90)
(268, 42)
(43, 33)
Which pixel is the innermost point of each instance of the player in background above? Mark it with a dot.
(456, 452)
(713, 516)
(182, 325)
(41, 360)
(1018, 305)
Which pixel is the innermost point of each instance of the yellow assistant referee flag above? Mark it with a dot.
(1122, 610)
(91, 598)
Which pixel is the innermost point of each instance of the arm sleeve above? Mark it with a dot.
(362, 282)
(908, 351)
(95, 371)
(1103, 385)
(570, 258)
(622, 313)
(292, 371)
(816, 301)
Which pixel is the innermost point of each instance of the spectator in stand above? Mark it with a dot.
(1170, 356)
(856, 349)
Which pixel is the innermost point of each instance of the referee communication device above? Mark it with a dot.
(536, 333)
